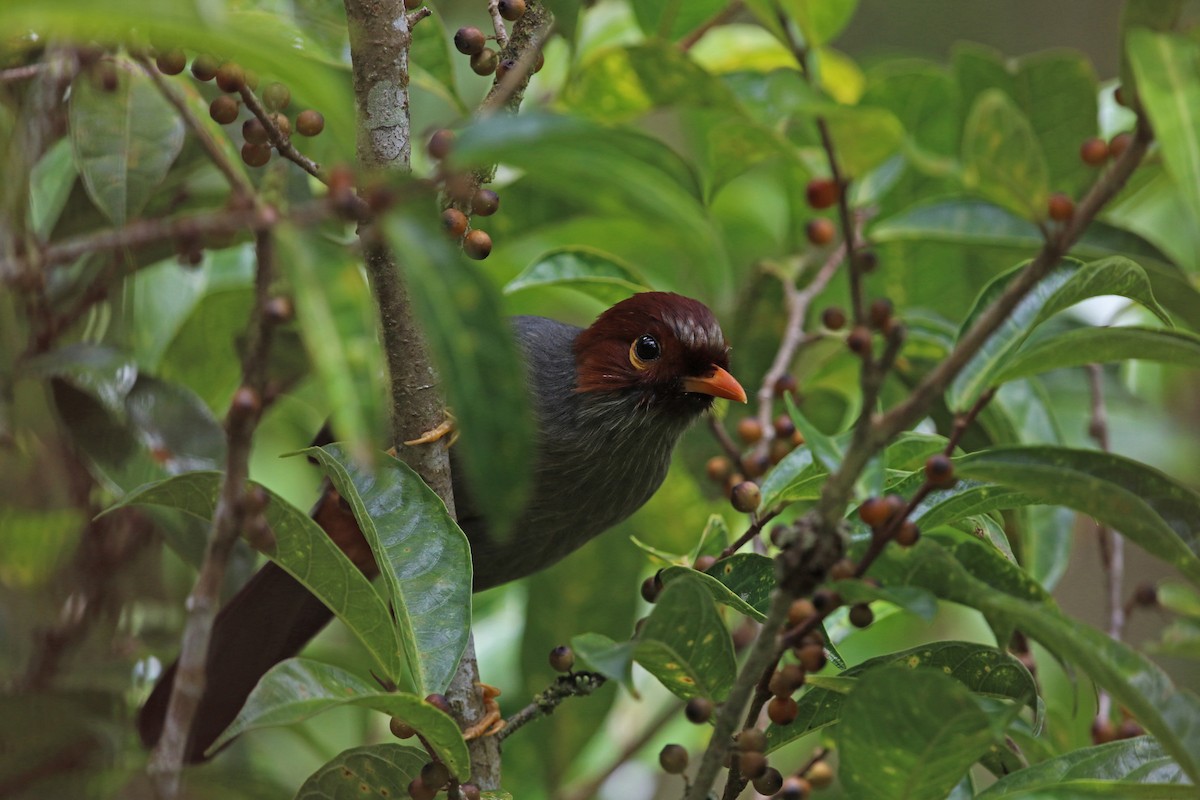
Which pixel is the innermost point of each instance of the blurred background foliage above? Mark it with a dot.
(701, 185)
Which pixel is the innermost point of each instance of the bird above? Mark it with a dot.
(609, 402)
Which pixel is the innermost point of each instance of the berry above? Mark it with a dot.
(782, 710)
(435, 775)
(171, 62)
(651, 588)
(282, 123)
(230, 77)
(820, 231)
(1146, 595)
(698, 709)
(511, 10)
(732, 481)
(1059, 207)
(401, 730)
(785, 384)
(842, 569)
(454, 223)
(751, 740)
(256, 155)
(800, 610)
(477, 244)
(866, 261)
(718, 468)
(440, 144)
(309, 122)
(826, 600)
(939, 471)
(279, 309)
(469, 41)
(469, 791)
(795, 789)
(562, 658)
(784, 427)
(874, 511)
(704, 563)
(833, 318)
(223, 109)
(277, 96)
(485, 62)
(861, 615)
(859, 341)
(204, 67)
(746, 496)
(821, 193)
(820, 775)
(752, 765)
(1103, 731)
(673, 758)
(541, 62)
(769, 782)
(254, 132)
(417, 790)
(1119, 97)
(1119, 144)
(812, 657)
(786, 680)
(880, 313)
(246, 402)
(749, 430)
(459, 188)
(1094, 151)
(908, 534)
(779, 449)
(485, 202)
(895, 503)
(439, 702)
(755, 466)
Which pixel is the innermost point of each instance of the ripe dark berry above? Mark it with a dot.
(865, 261)
(282, 123)
(800, 610)
(223, 109)
(939, 471)
(785, 384)
(786, 680)
(833, 318)
(820, 775)
(310, 122)
(895, 503)
(511, 9)
(470, 791)
(254, 132)
(784, 427)
(673, 758)
(477, 244)
(171, 62)
(861, 615)
(746, 496)
(279, 309)
(859, 341)
(769, 782)
(704, 563)
(826, 600)
(562, 658)
(821, 193)
(1094, 151)
(782, 710)
(256, 155)
(908, 534)
(651, 588)
(751, 740)
(469, 41)
(417, 790)
(439, 702)
(795, 789)
(749, 430)
(698, 709)
(1119, 144)
(732, 481)
(874, 511)
(718, 468)
(842, 569)
(230, 77)
(779, 449)
(401, 730)
(277, 96)
(435, 775)
(812, 657)
(820, 231)
(541, 62)
(485, 62)
(880, 313)
(752, 765)
(440, 144)
(1059, 207)
(204, 67)
(485, 202)
(755, 465)
(454, 223)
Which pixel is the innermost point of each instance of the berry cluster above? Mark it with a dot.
(461, 193)
(1095, 152)
(434, 775)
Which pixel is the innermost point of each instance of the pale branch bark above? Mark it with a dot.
(166, 762)
(498, 23)
(1112, 547)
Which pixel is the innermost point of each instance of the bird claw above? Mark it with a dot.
(446, 426)
(491, 723)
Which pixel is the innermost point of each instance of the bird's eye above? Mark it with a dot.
(644, 348)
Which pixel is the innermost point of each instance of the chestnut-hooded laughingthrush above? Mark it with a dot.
(610, 401)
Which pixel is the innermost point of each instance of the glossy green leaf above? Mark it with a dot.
(743, 582)
(1056, 89)
(299, 688)
(1082, 346)
(480, 367)
(966, 498)
(373, 769)
(924, 97)
(428, 558)
(910, 598)
(911, 735)
(124, 140)
(799, 476)
(612, 659)
(1132, 768)
(1066, 285)
(673, 19)
(1133, 681)
(304, 551)
(1002, 157)
(1167, 68)
(596, 274)
(910, 450)
(820, 21)
(50, 184)
(865, 136)
(684, 643)
(339, 330)
(825, 448)
(1148, 507)
(713, 539)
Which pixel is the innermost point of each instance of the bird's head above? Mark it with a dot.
(662, 350)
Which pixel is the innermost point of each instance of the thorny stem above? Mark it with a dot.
(1112, 548)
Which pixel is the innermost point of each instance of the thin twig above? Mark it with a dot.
(963, 422)
(1112, 548)
(760, 522)
(281, 141)
(21, 73)
(720, 18)
(574, 684)
(498, 23)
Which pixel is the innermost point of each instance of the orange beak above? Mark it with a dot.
(719, 384)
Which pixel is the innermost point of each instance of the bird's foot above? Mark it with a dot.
(491, 723)
(447, 426)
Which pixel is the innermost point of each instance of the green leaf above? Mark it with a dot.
(299, 688)
(374, 769)
(1081, 346)
(304, 551)
(106, 374)
(826, 450)
(595, 273)
(1066, 285)
(865, 137)
(124, 140)
(1002, 157)
(35, 542)
(50, 184)
(1181, 639)
(1130, 768)
(910, 598)
(713, 539)
(743, 582)
(911, 734)
(799, 476)
(1179, 598)
(685, 645)
(1167, 68)
(428, 560)
(480, 367)
(966, 498)
(613, 660)
(820, 21)
(1148, 507)
(673, 19)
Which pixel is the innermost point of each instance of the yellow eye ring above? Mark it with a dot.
(643, 349)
